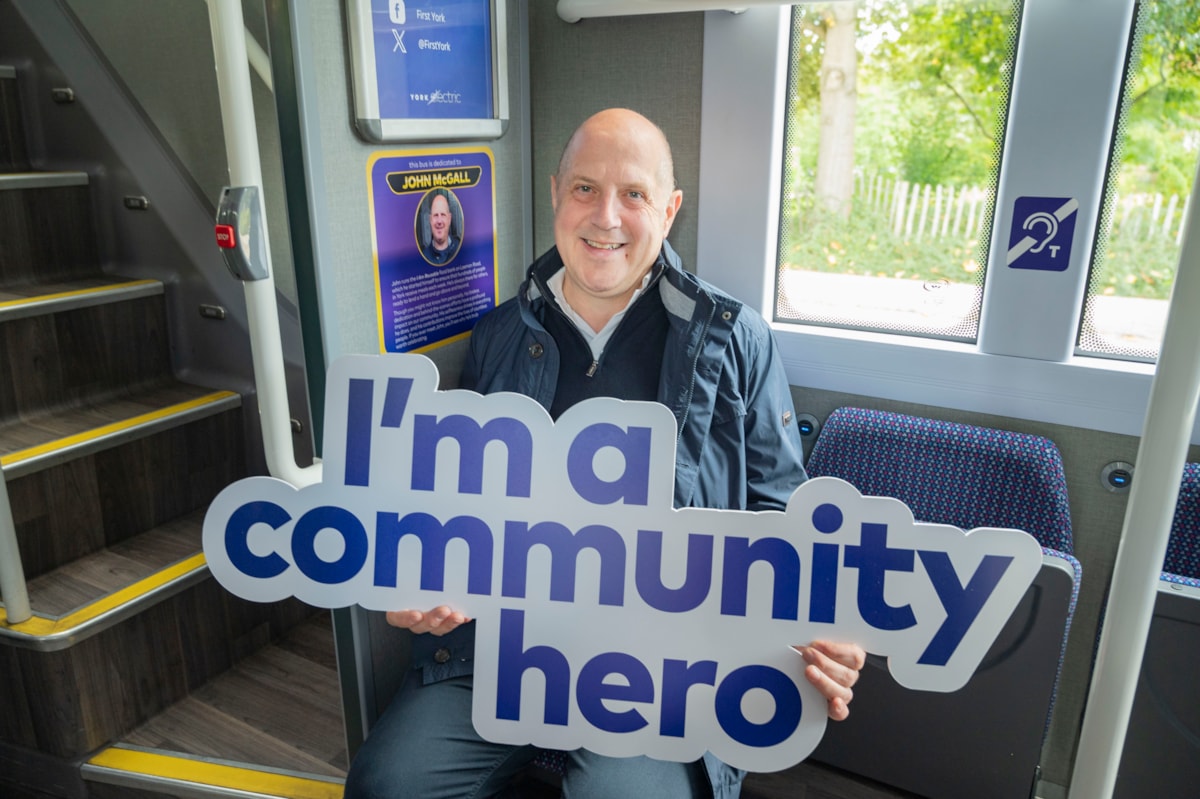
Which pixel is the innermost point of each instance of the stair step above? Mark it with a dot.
(18, 302)
(91, 579)
(8, 72)
(74, 701)
(175, 775)
(80, 350)
(49, 227)
(93, 593)
(278, 709)
(44, 440)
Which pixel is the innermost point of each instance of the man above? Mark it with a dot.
(443, 245)
(608, 312)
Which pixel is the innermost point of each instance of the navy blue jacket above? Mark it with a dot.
(739, 443)
(739, 446)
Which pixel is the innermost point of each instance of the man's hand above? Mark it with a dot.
(438, 621)
(833, 669)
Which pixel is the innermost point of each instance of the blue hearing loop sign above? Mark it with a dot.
(1042, 231)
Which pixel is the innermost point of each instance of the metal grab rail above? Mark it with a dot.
(258, 57)
(245, 169)
(12, 576)
(1161, 454)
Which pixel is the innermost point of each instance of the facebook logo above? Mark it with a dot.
(1042, 230)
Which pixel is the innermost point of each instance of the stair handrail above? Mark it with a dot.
(245, 169)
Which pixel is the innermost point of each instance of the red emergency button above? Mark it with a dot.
(226, 237)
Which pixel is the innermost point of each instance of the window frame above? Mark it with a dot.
(1023, 364)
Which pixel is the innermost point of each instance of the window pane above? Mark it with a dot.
(1150, 178)
(893, 136)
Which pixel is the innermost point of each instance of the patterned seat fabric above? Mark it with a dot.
(950, 473)
(1182, 563)
(552, 761)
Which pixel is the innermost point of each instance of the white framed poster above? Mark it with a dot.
(428, 70)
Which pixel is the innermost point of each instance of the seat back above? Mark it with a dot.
(950, 473)
(1162, 743)
(984, 740)
(1183, 546)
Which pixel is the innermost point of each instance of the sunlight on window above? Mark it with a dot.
(1153, 166)
(894, 119)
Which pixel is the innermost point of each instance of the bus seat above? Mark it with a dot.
(984, 740)
(1162, 743)
(1183, 545)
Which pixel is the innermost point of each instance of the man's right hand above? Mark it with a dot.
(438, 621)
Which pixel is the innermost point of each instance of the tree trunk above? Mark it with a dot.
(839, 100)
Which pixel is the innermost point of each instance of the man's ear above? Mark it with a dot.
(672, 207)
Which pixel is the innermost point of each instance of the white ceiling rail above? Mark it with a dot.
(575, 10)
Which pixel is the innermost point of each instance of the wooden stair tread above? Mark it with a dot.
(280, 708)
(89, 425)
(103, 573)
(36, 298)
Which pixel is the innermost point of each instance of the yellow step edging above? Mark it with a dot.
(45, 627)
(66, 295)
(215, 775)
(111, 429)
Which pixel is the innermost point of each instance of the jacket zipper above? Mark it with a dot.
(545, 292)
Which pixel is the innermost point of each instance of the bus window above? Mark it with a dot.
(894, 127)
(1150, 174)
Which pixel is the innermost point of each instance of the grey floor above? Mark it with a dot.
(814, 781)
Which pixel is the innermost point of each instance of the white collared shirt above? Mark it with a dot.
(596, 339)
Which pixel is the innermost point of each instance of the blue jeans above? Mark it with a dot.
(425, 747)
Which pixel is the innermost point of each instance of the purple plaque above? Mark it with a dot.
(434, 230)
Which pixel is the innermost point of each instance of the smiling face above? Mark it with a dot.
(614, 202)
(439, 221)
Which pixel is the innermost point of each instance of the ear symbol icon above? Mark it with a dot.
(1038, 219)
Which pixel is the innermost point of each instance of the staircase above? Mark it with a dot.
(137, 675)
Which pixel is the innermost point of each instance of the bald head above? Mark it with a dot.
(614, 201)
(635, 134)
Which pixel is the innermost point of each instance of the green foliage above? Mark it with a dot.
(928, 85)
(931, 152)
(1134, 267)
(1163, 105)
(865, 245)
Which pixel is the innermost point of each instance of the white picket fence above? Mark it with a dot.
(1149, 216)
(917, 210)
(920, 210)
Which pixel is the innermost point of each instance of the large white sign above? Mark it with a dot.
(606, 618)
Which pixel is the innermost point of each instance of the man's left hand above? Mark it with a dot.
(833, 668)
